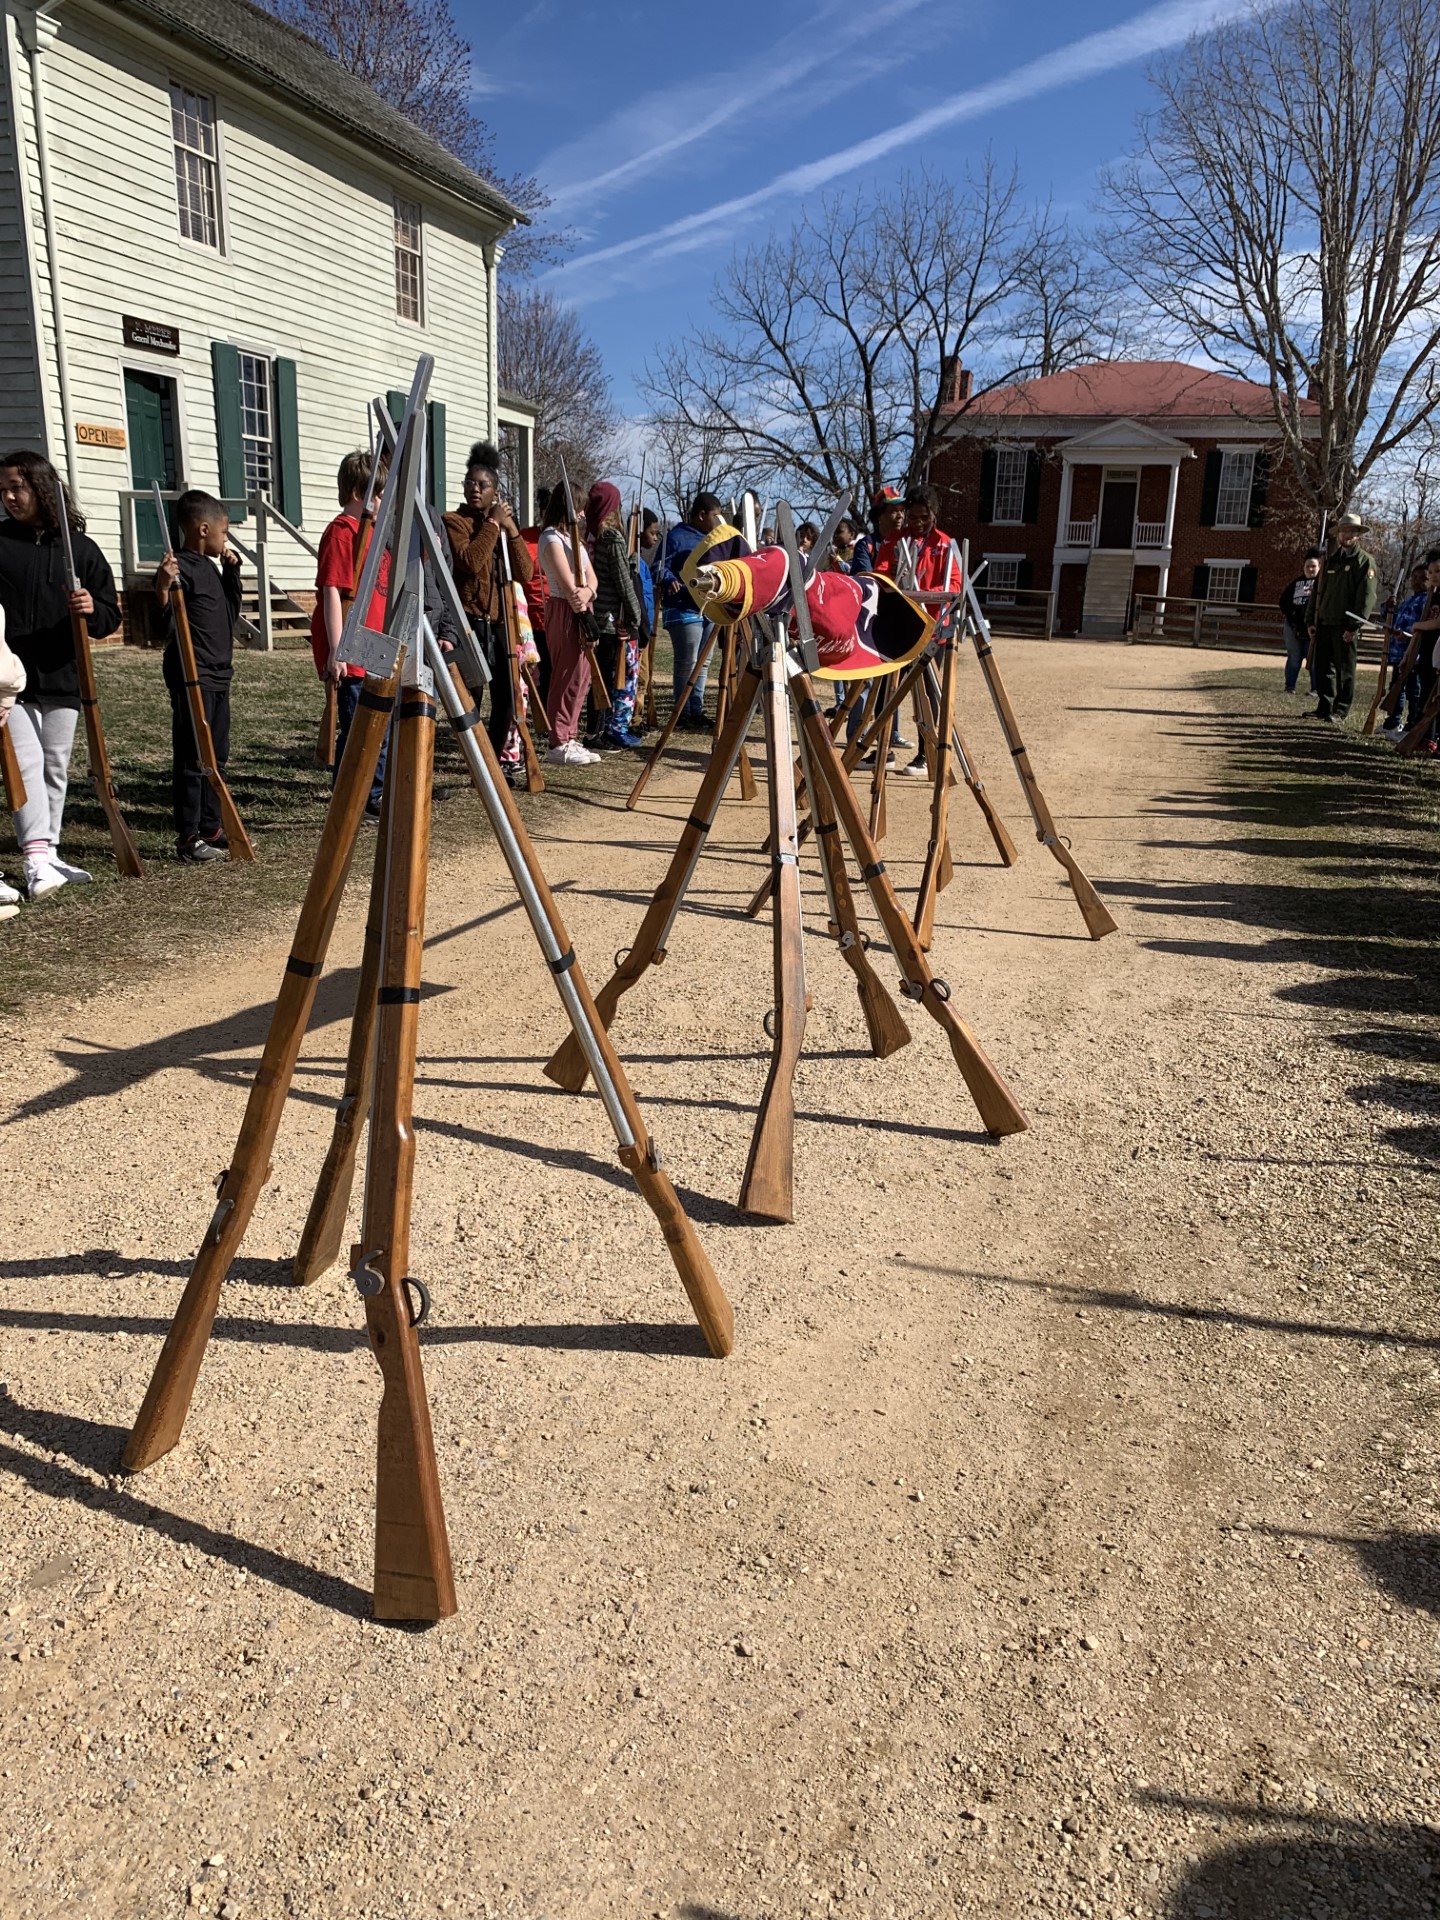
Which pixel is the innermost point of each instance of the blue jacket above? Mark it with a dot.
(675, 602)
(1406, 614)
(647, 591)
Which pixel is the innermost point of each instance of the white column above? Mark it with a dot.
(1067, 474)
(1170, 506)
(493, 253)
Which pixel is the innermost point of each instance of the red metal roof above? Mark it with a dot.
(1134, 389)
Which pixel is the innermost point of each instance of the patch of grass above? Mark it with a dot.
(83, 938)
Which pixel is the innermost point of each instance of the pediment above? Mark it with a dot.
(1124, 436)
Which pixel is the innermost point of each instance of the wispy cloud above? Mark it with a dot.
(660, 125)
(1144, 34)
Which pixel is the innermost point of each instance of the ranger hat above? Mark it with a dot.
(1351, 520)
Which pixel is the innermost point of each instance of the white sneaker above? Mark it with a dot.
(8, 910)
(70, 873)
(8, 895)
(42, 876)
(917, 769)
(569, 753)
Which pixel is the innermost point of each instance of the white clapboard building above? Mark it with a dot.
(215, 246)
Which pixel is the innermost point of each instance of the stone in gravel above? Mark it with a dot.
(1089, 1642)
(744, 1649)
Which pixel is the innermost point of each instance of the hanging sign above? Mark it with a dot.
(151, 334)
(92, 436)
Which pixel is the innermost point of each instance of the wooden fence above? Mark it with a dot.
(1170, 621)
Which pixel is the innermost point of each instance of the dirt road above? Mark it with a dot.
(1060, 1538)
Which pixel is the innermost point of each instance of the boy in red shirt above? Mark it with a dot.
(936, 562)
(337, 571)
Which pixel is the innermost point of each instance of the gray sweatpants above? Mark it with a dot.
(44, 738)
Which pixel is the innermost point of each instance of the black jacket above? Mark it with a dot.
(212, 602)
(36, 597)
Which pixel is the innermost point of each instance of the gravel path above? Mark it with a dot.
(1060, 1538)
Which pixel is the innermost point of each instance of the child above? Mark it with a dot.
(925, 558)
(1402, 620)
(212, 606)
(335, 578)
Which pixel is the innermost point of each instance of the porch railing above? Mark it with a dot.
(1080, 533)
(1149, 533)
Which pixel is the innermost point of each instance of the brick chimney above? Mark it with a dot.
(955, 382)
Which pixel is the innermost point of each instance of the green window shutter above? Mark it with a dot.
(1210, 496)
(988, 464)
(435, 454)
(1200, 585)
(1032, 487)
(287, 420)
(395, 403)
(1259, 489)
(229, 422)
(1248, 578)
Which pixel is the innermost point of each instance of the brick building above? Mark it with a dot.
(1118, 479)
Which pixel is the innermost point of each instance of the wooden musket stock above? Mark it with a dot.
(233, 825)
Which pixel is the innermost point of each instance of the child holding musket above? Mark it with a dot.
(475, 530)
(38, 603)
(212, 606)
(337, 573)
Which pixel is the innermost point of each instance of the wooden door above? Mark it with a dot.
(150, 426)
(1117, 514)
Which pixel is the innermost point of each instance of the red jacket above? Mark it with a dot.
(537, 588)
(937, 561)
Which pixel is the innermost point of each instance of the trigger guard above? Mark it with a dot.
(417, 1319)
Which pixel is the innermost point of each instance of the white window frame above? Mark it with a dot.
(216, 161)
(267, 360)
(1228, 565)
(1016, 519)
(407, 253)
(1228, 454)
(991, 583)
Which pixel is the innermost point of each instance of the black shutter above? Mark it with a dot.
(287, 443)
(1248, 579)
(988, 464)
(1025, 574)
(1260, 489)
(1032, 487)
(229, 424)
(1200, 585)
(1210, 497)
(435, 454)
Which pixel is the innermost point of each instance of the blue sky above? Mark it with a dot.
(669, 135)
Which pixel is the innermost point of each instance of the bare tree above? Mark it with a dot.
(1070, 305)
(1282, 215)
(1402, 508)
(415, 57)
(545, 356)
(685, 459)
(823, 367)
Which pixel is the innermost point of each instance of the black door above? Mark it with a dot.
(1117, 514)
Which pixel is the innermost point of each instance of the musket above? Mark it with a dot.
(233, 825)
(633, 531)
(577, 548)
(1093, 910)
(534, 779)
(15, 795)
(767, 1189)
(657, 618)
(567, 1066)
(1310, 650)
(127, 854)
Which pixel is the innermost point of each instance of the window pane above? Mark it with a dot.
(1224, 584)
(192, 122)
(1232, 508)
(257, 422)
(409, 288)
(1010, 466)
(1000, 578)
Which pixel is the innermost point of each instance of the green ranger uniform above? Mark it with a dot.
(1346, 589)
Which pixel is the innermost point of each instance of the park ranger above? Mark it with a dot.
(1344, 598)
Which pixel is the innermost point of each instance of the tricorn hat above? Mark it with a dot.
(1351, 520)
